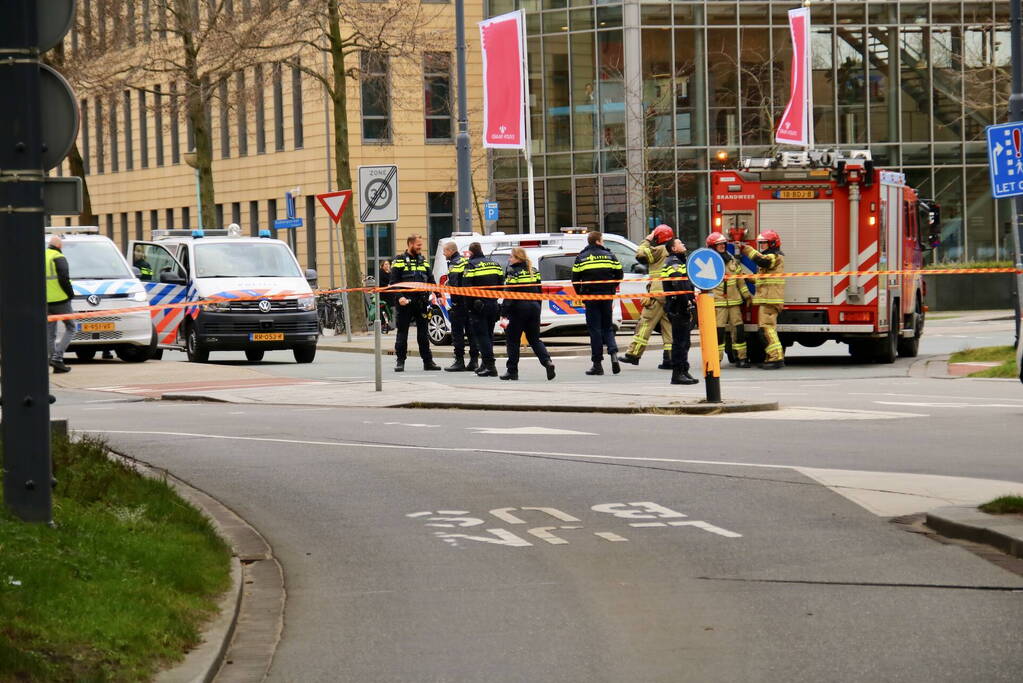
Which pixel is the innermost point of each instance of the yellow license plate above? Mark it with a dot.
(267, 336)
(97, 327)
(797, 194)
(577, 303)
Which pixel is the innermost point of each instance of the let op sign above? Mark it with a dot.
(1005, 156)
(504, 114)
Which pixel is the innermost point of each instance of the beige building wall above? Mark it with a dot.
(125, 199)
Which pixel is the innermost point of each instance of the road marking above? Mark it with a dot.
(808, 413)
(940, 396)
(409, 424)
(949, 405)
(529, 431)
(610, 536)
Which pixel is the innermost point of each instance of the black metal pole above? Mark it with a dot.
(463, 154)
(1016, 114)
(25, 381)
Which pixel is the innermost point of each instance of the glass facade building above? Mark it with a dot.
(633, 102)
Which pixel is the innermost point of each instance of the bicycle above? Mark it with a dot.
(330, 311)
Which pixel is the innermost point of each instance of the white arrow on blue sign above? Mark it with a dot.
(706, 269)
(1005, 158)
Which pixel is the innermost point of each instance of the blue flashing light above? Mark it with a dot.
(198, 232)
(264, 232)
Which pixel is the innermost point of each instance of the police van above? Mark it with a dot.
(103, 281)
(262, 299)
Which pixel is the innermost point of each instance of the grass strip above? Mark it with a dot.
(1006, 355)
(1005, 505)
(120, 588)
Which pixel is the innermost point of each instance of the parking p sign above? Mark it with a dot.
(1005, 156)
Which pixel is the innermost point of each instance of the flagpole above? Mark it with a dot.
(528, 150)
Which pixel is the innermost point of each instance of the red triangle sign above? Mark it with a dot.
(335, 203)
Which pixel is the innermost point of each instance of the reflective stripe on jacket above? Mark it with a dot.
(525, 280)
(482, 272)
(675, 278)
(731, 292)
(596, 263)
(654, 258)
(770, 290)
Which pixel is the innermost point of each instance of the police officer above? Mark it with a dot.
(523, 314)
(679, 308)
(770, 294)
(458, 314)
(59, 293)
(480, 271)
(653, 252)
(729, 297)
(140, 262)
(412, 266)
(596, 262)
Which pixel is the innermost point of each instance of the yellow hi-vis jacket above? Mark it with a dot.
(54, 291)
(770, 290)
(732, 292)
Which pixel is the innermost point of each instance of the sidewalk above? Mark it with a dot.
(559, 347)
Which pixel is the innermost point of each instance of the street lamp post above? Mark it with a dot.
(462, 141)
(192, 159)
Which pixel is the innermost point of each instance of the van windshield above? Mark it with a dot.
(245, 259)
(95, 261)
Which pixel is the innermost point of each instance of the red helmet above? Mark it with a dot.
(663, 233)
(715, 238)
(771, 237)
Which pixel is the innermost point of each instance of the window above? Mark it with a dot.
(84, 134)
(437, 95)
(129, 152)
(114, 152)
(376, 107)
(158, 124)
(259, 104)
(186, 218)
(254, 218)
(175, 123)
(100, 158)
(154, 221)
(124, 230)
(310, 230)
(384, 232)
(236, 212)
(138, 226)
(440, 216)
(143, 131)
(219, 212)
(296, 106)
(170, 218)
(278, 109)
(241, 115)
(271, 212)
(225, 126)
(110, 225)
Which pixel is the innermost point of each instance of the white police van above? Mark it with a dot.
(263, 299)
(103, 281)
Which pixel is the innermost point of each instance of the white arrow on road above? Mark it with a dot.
(528, 431)
(706, 269)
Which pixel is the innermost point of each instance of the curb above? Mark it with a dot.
(696, 408)
(1004, 532)
(256, 594)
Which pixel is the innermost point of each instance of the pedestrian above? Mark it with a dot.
(652, 252)
(523, 314)
(413, 306)
(59, 293)
(458, 314)
(679, 309)
(480, 271)
(386, 298)
(770, 295)
(596, 264)
(729, 296)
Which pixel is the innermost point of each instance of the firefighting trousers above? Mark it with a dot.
(767, 315)
(729, 324)
(653, 315)
(525, 319)
(406, 315)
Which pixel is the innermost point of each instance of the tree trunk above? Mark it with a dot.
(77, 168)
(196, 105)
(343, 171)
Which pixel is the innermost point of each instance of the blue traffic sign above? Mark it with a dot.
(490, 211)
(287, 223)
(1005, 159)
(706, 269)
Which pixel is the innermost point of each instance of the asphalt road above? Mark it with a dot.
(490, 546)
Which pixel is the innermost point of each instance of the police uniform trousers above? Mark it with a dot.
(653, 315)
(729, 324)
(461, 335)
(524, 317)
(681, 328)
(483, 314)
(601, 328)
(413, 311)
(767, 319)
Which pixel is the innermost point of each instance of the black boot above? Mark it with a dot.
(510, 374)
(615, 366)
(474, 362)
(457, 366)
(400, 365)
(597, 369)
(665, 361)
(487, 370)
(630, 359)
(687, 378)
(430, 365)
(676, 376)
(742, 363)
(550, 371)
(772, 365)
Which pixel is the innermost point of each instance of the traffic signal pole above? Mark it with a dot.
(1016, 114)
(24, 384)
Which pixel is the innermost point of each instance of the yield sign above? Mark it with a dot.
(335, 203)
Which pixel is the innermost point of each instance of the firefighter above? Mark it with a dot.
(770, 294)
(458, 314)
(412, 266)
(523, 314)
(729, 297)
(596, 262)
(480, 271)
(653, 252)
(679, 309)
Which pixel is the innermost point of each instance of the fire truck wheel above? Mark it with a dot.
(888, 348)
(909, 348)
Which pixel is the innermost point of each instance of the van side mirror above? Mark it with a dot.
(310, 275)
(169, 277)
(136, 272)
(638, 268)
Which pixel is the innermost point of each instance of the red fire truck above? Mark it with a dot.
(827, 205)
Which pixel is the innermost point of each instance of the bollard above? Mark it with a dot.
(709, 347)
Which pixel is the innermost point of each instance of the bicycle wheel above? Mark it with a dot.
(339, 317)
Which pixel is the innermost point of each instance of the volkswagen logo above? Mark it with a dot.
(93, 300)
(264, 306)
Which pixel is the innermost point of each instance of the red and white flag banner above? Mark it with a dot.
(504, 117)
(794, 127)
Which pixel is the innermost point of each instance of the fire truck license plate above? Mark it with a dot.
(797, 194)
(266, 336)
(97, 327)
